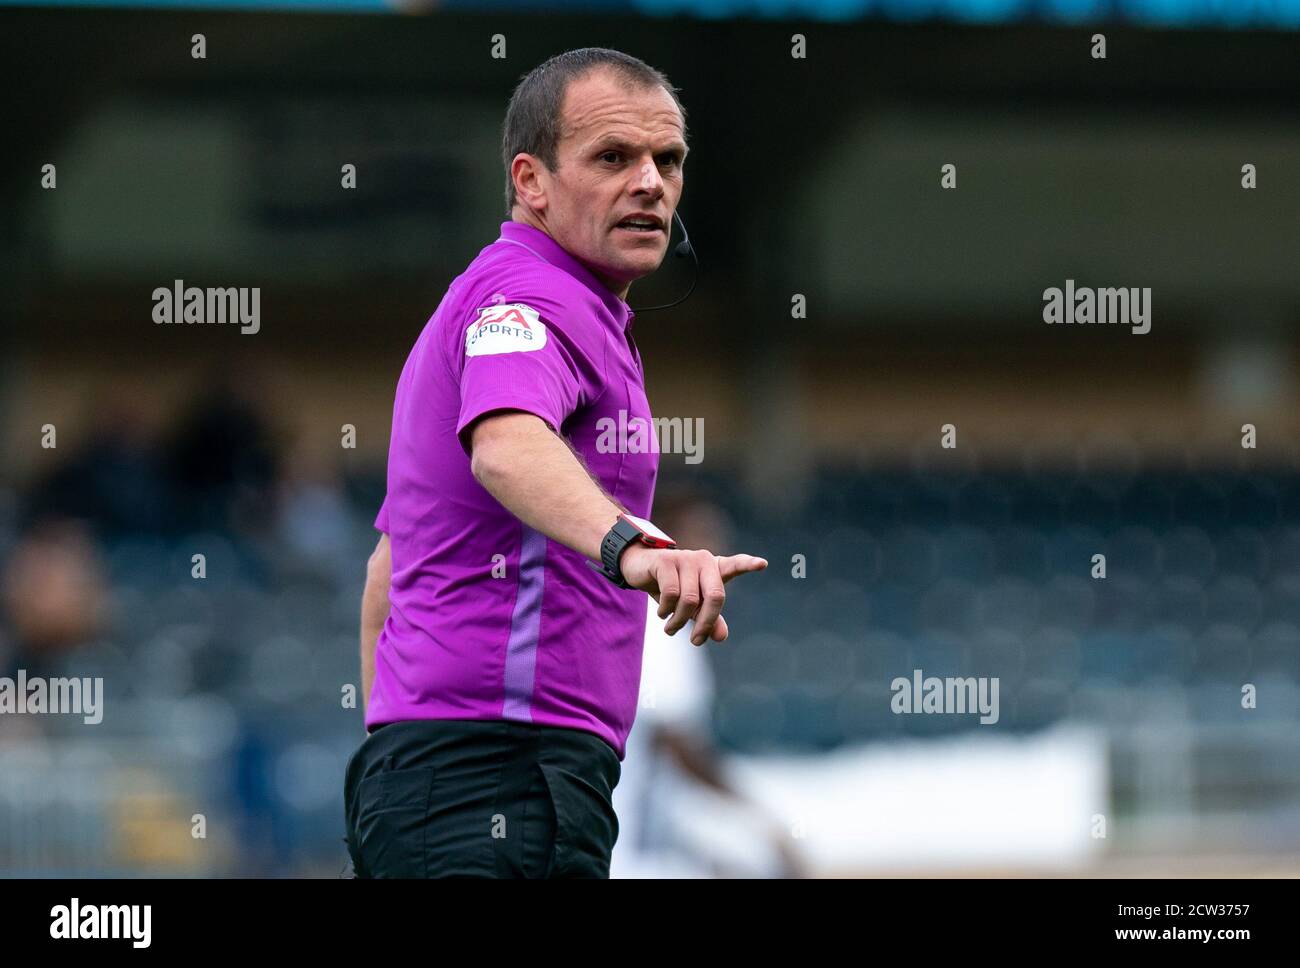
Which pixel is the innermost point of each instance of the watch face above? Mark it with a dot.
(652, 535)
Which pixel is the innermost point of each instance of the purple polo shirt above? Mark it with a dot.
(491, 619)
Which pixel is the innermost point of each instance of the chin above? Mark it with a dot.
(647, 262)
(632, 274)
(625, 268)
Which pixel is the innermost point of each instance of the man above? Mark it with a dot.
(505, 675)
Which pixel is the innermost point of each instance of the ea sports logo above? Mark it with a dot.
(508, 328)
(504, 315)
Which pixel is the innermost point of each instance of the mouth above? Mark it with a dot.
(651, 225)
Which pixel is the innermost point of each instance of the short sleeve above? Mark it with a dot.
(513, 357)
(381, 520)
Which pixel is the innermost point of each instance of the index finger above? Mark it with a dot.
(732, 565)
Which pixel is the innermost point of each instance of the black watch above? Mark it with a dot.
(626, 529)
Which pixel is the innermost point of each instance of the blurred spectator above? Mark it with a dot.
(113, 481)
(221, 462)
(314, 516)
(53, 592)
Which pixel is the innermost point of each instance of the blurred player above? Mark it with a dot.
(678, 813)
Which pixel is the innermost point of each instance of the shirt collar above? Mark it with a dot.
(547, 249)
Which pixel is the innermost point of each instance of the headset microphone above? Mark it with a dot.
(683, 249)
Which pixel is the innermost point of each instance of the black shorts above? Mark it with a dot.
(470, 798)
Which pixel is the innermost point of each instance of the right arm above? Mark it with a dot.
(538, 478)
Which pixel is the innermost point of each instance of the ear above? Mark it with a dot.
(530, 178)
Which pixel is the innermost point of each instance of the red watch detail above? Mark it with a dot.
(650, 535)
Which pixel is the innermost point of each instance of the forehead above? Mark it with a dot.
(602, 103)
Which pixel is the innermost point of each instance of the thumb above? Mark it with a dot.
(732, 565)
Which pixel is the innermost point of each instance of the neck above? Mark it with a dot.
(527, 217)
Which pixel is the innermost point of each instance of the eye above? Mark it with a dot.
(670, 159)
(606, 154)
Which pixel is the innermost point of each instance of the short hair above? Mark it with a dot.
(534, 118)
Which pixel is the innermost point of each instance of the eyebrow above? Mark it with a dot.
(614, 141)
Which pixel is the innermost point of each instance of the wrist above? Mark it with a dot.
(627, 561)
(627, 532)
(598, 538)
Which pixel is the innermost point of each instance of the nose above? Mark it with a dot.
(649, 179)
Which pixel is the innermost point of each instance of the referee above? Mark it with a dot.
(502, 622)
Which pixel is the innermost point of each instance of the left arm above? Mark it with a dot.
(374, 611)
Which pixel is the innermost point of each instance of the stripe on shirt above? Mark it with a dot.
(525, 624)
